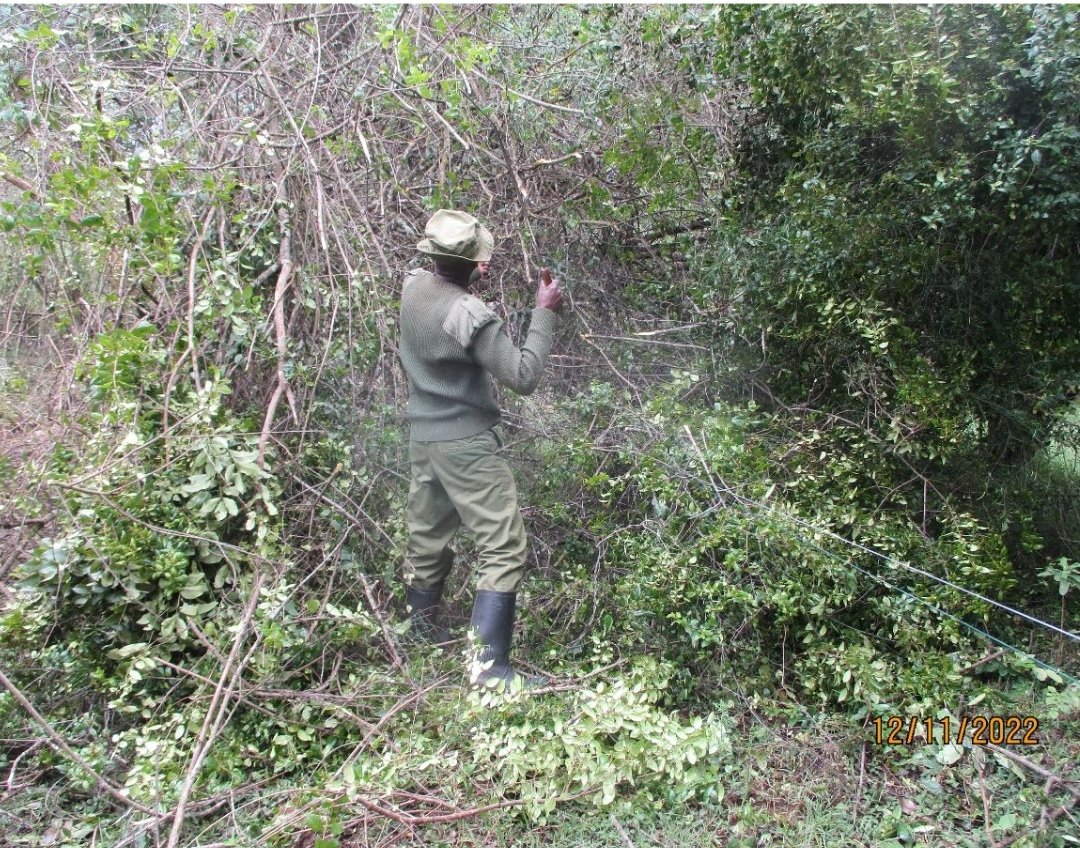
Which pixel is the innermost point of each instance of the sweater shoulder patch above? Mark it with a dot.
(465, 318)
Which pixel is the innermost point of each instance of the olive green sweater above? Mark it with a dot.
(451, 346)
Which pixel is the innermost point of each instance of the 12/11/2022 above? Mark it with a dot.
(984, 730)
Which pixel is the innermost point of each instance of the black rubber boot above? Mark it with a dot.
(493, 623)
(423, 608)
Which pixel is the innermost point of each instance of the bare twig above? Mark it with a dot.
(19, 183)
(280, 289)
(192, 264)
(57, 741)
(215, 714)
(15, 763)
(1048, 819)
(442, 818)
(623, 835)
(986, 802)
(993, 655)
(1031, 765)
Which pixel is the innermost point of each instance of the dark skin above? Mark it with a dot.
(549, 294)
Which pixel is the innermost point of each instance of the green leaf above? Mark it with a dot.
(950, 754)
(198, 609)
(128, 650)
(197, 483)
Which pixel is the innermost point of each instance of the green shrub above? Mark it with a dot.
(160, 527)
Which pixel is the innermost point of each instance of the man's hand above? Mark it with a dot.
(549, 294)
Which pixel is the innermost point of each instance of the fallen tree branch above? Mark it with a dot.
(540, 163)
(1043, 772)
(993, 655)
(627, 841)
(440, 818)
(20, 183)
(215, 714)
(24, 522)
(192, 264)
(391, 647)
(411, 821)
(57, 741)
(1048, 819)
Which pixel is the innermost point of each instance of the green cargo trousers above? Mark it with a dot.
(458, 482)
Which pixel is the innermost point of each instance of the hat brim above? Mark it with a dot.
(484, 249)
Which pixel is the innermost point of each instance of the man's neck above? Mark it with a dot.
(458, 279)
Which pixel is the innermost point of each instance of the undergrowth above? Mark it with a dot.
(731, 655)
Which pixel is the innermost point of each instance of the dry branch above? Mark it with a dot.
(192, 265)
(215, 714)
(1043, 772)
(57, 741)
(420, 819)
(338, 163)
(19, 183)
(280, 289)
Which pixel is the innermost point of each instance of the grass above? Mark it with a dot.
(1064, 452)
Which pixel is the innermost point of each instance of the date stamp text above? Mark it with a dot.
(978, 729)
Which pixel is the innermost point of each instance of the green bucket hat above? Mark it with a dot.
(456, 234)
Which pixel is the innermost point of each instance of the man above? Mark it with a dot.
(452, 344)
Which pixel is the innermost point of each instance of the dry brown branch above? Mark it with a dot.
(19, 183)
(416, 820)
(30, 749)
(170, 384)
(24, 522)
(1032, 766)
(1052, 780)
(192, 264)
(439, 818)
(388, 639)
(57, 741)
(987, 826)
(280, 289)
(993, 655)
(207, 806)
(603, 355)
(301, 132)
(216, 712)
(623, 835)
(1048, 818)
(345, 513)
(543, 163)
